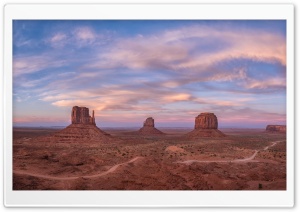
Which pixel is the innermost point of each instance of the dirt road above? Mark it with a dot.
(251, 158)
(110, 170)
(115, 167)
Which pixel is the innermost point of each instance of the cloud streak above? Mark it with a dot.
(171, 71)
(171, 48)
(31, 64)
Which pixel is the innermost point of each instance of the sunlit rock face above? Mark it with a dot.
(206, 121)
(80, 115)
(82, 128)
(206, 125)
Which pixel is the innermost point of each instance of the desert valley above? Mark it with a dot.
(179, 104)
(85, 157)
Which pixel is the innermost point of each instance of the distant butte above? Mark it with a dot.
(149, 128)
(276, 128)
(82, 128)
(206, 125)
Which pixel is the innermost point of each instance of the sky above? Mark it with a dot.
(171, 70)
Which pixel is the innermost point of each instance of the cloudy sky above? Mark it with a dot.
(129, 70)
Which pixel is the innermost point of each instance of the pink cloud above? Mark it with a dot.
(58, 37)
(272, 82)
(32, 119)
(171, 49)
(84, 33)
(32, 64)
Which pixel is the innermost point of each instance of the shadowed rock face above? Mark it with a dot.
(83, 128)
(206, 125)
(276, 128)
(80, 115)
(206, 121)
(149, 129)
(149, 122)
(82, 132)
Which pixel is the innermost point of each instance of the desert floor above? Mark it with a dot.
(246, 159)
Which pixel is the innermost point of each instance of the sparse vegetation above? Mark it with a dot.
(157, 168)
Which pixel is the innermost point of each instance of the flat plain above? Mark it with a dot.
(246, 159)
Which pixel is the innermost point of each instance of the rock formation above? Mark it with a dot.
(149, 122)
(206, 125)
(80, 115)
(82, 128)
(206, 121)
(276, 128)
(149, 129)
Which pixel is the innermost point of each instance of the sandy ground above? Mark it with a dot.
(243, 160)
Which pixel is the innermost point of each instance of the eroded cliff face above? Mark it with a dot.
(206, 125)
(82, 128)
(149, 122)
(80, 115)
(149, 129)
(206, 121)
(276, 128)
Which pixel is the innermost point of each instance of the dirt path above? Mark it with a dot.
(273, 144)
(251, 158)
(110, 170)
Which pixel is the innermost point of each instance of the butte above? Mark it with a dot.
(276, 128)
(82, 128)
(149, 128)
(206, 125)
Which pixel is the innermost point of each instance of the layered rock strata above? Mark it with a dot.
(206, 125)
(82, 128)
(206, 121)
(276, 128)
(80, 115)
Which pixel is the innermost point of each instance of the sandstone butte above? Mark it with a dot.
(82, 128)
(149, 128)
(276, 128)
(206, 125)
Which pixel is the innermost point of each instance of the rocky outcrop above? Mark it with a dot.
(149, 122)
(206, 125)
(276, 128)
(206, 121)
(80, 115)
(82, 132)
(149, 129)
(199, 133)
(82, 128)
